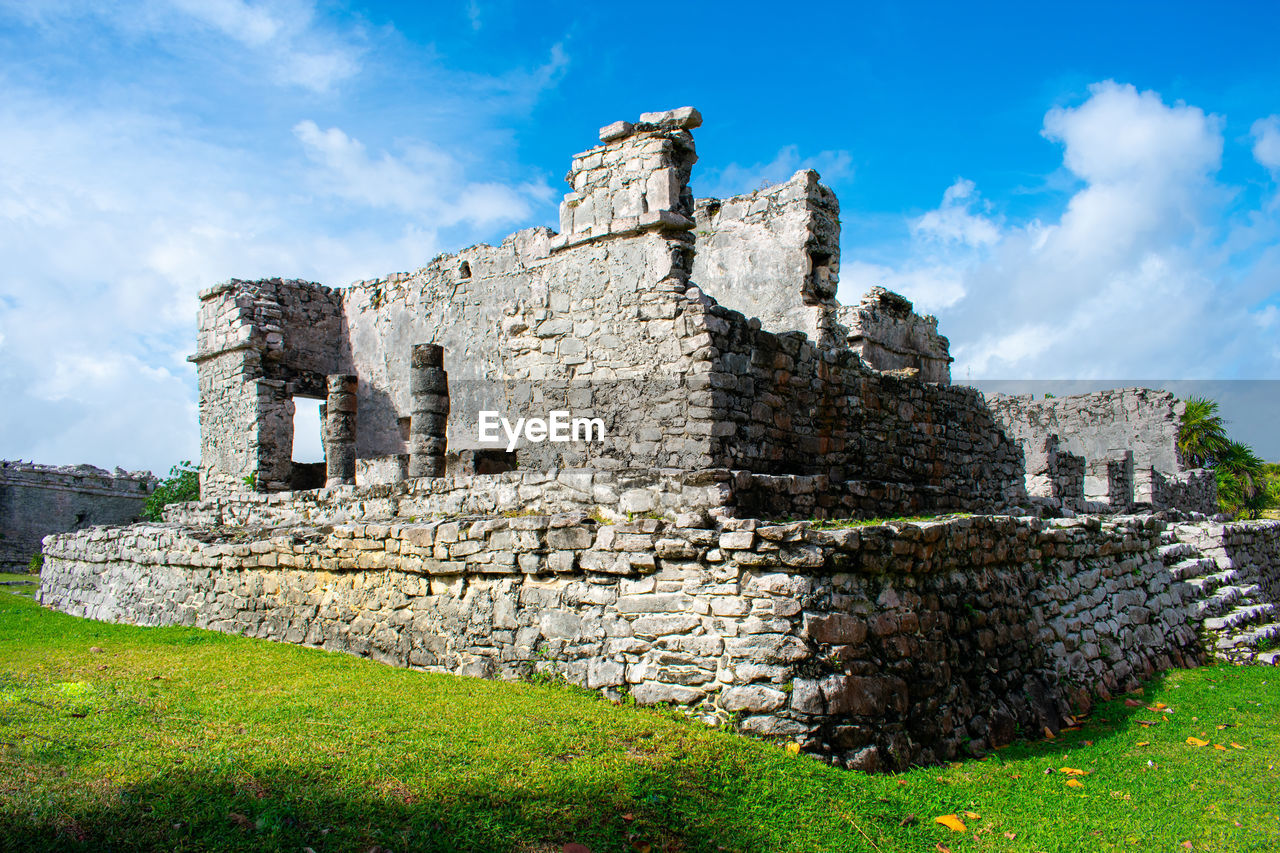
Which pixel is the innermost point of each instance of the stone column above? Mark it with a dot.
(340, 430)
(429, 413)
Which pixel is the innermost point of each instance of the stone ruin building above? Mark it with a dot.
(37, 500)
(704, 550)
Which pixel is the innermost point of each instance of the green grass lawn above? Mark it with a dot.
(114, 737)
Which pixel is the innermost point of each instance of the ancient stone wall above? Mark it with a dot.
(37, 500)
(1105, 426)
(887, 333)
(774, 255)
(782, 406)
(879, 646)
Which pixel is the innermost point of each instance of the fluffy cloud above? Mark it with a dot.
(1138, 277)
(425, 181)
(1266, 142)
(112, 217)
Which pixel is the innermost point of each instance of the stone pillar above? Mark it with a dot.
(339, 417)
(429, 414)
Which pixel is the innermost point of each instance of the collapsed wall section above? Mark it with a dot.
(876, 647)
(884, 330)
(37, 500)
(773, 254)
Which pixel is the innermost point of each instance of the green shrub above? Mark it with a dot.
(182, 484)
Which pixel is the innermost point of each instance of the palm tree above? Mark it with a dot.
(1202, 436)
(1242, 482)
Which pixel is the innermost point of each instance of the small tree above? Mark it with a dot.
(182, 484)
(1202, 435)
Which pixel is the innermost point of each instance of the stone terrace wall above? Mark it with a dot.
(773, 254)
(36, 500)
(880, 646)
(612, 494)
(1102, 427)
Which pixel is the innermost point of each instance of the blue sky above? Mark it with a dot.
(1078, 191)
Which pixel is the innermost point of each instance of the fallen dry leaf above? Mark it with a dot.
(1048, 732)
(1074, 783)
(1011, 835)
(972, 815)
(1144, 743)
(1160, 706)
(951, 822)
(941, 848)
(1235, 745)
(1219, 746)
(793, 748)
(909, 820)
(1132, 703)
(1073, 771)
(1195, 741)
(240, 820)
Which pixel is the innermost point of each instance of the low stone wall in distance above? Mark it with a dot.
(878, 646)
(36, 500)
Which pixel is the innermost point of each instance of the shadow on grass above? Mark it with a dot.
(278, 810)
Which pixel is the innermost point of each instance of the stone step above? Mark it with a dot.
(1250, 638)
(1193, 568)
(1267, 658)
(1240, 617)
(1176, 551)
(1208, 583)
(1225, 598)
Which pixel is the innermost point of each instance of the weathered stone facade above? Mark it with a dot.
(36, 500)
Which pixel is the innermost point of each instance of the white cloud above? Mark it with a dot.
(1133, 280)
(425, 181)
(954, 222)
(284, 41)
(1266, 142)
(110, 222)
